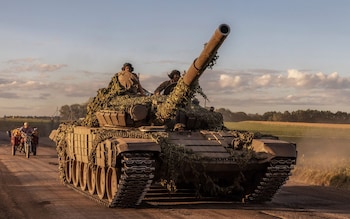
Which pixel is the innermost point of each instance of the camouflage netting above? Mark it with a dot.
(162, 109)
(102, 99)
(60, 139)
(204, 119)
(104, 134)
(177, 159)
(100, 135)
(180, 97)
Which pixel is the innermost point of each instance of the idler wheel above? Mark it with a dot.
(112, 181)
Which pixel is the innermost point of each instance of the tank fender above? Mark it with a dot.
(136, 144)
(275, 148)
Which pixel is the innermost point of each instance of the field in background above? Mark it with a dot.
(323, 149)
(44, 125)
(293, 129)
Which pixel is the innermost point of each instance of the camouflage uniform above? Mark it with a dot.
(167, 86)
(129, 80)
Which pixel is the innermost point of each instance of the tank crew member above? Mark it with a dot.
(168, 86)
(129, 80)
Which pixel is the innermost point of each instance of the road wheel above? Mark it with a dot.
(91, 179)
(68, 170)
(112, 181)
(83, 176)
(101, 182)
(75, 172)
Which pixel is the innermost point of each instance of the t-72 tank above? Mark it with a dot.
(129, 146)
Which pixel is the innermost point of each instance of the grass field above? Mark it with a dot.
(323, 149)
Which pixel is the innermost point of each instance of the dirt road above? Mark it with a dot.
(30, 188)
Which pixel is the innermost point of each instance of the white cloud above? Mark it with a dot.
(229, 81)
(31, 65)
(297, 78)
(293, 79)
(258, 91)
(263, 80)
(317, 80)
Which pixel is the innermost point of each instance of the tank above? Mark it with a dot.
(132, 148)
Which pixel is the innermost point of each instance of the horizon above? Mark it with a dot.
(279, 56)
(56, 114)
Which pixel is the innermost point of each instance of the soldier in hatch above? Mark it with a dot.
(129, 80)
(168, 86)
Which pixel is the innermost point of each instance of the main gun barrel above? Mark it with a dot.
(200, 64)
(184, 89)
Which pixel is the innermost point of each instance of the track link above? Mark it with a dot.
(276, 175)
(136, 179)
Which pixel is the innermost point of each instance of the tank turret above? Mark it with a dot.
(112, 108)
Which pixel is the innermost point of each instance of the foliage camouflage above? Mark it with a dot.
(110, 98)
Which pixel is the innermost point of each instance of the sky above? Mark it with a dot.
(279, 56)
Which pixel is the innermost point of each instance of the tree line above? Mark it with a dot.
(310, 116)
(76, 111)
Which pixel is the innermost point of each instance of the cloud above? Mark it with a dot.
(292, 79)
(31, 65)
(20, 61)
(317, 80)
(8, 95)
(229, 81)
(261, 90)
(36, 68)
(263, 81)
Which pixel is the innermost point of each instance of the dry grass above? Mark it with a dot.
(319, 125)
(331, 172)
(323, 149)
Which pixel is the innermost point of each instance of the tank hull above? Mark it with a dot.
(118, 167)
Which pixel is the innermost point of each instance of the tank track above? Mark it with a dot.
(276, 175)
(136, 178)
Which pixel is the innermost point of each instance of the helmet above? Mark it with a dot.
(128, 64)
(173, 73)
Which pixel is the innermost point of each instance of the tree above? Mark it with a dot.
(73, 112)
(65, 112)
